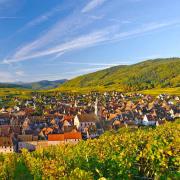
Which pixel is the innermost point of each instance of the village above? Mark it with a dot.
(45, 120)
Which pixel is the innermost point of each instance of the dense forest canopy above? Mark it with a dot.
(158, 73)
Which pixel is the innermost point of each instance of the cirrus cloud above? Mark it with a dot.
(92, 5)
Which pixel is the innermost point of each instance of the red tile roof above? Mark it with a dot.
(56, 137)
(68, 118)
(62, 137)
(73, 135)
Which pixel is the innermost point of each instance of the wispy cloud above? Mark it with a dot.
(106, 35)
(96, 17)
(119, 21)
(92, 5)
(89, 64)
(54, 35)
(146, 28)
(85, 70)
(66, 74)
(77, 43)
(93, 64)
(44, 17)
(20, 73)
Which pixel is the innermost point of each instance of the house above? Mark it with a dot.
(72, 137)
(171, 113)
(4, 121)
(3, 110)
(117, 124)
(56, 137)
(85, 120)
(108, 125)
(148, 120)
(27, 137)
(25, 125)
(5, 130)
(160, 122)
(45, 131)
(6, 145)
(131, 124)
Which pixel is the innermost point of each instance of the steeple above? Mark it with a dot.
(96, 107)
(75, 104)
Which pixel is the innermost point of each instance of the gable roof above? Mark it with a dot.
(65, 136)
(56, 137)
(73, 135)
(87, 117)
(66, 123)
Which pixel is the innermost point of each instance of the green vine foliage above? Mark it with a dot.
(145, 153)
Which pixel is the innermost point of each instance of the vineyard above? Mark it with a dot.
(147, 153)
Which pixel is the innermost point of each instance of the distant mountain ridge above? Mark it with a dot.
(157, 73)
(44, 84)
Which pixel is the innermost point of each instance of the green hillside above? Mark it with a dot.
(158, 73)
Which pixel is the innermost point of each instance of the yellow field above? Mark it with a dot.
(171, 91)
(23, 93)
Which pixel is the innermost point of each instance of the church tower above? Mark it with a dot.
(96, 107)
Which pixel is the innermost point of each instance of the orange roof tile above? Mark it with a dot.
(56, 137)
(73, 135)
(62, 137)
(68, 118)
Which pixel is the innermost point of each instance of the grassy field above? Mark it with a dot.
(15, 92)
(171, 91)
(24, 93)
(154, 92)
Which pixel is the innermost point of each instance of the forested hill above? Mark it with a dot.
(45, 84)
(158, 73)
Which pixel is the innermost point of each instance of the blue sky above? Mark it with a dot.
(55, 39)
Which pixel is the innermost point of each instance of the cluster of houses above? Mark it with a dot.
(45, 120)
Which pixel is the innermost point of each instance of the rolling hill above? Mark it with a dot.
(9, 85)
(45, 84)
(158, 73)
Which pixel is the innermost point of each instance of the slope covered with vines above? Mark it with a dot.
(127, 154)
